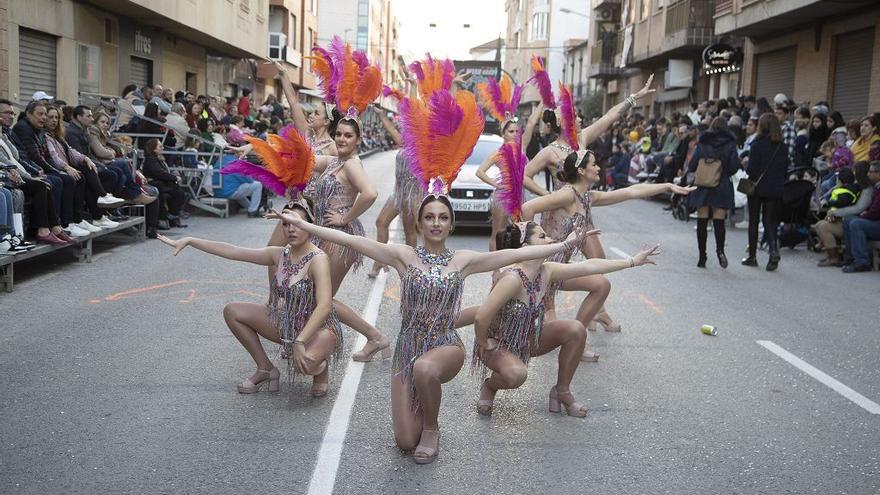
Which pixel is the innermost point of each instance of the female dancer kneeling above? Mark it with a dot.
(429, 351)
(509, 326)
(299, 315)
(569, 208)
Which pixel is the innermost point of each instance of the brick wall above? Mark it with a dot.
(4, 51)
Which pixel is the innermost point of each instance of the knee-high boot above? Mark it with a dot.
(720, 234)
(702, 235)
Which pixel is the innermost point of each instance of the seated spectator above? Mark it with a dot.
(145, 126)
(171, 195)
(819, 133)
(857, 230)
(246, 191)
(802, 158)
(193, 114)
(868, 142)
(159, 98)
(845, 192)
(84, 171)
(619, 163)
(176, 121)
(11, 203)
(103, 151)
(674, 167)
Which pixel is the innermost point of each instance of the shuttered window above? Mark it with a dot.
(775, 73)
(852, 73)
(37, 63)
(141, 72)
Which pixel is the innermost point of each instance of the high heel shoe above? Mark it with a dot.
(319, 389)
(365, 355)
(589, 356)
(484, 407)
(722, 259)
(268, 377)
(427, 455)
(607, 323)
(573, 408)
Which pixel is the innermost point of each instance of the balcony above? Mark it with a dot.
(757, 19)
(598, 4)
(603, 55)
(687, 27)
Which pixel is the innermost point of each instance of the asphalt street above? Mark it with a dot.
(118, 376)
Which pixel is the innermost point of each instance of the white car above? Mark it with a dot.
(470, 196)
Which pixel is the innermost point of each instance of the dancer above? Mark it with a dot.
(569, 208)
(501, 100)
(550, 159)
(299, 314)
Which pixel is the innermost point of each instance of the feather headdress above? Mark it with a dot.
(500, 99)
(439, 134)
(287, 162)
(432, 75)
(568, 115)
(542, 82)
(512, 163)
(393, 93)
(346, 77)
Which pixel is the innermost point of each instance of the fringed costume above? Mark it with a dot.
(333, 195)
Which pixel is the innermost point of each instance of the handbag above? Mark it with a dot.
(748, 186)
(708, 172)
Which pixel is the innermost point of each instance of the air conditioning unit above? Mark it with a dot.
(679, 74)
(604, 14)
(277, 46)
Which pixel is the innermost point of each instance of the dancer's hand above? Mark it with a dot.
(683, 190)
(643, 257)
(299, 356)
(485, 347)
(287, 218)
(177, 244)
(646, 90)
(334, 219)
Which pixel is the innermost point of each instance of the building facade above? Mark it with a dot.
(73, 48)
(809, 50)
(293, 30)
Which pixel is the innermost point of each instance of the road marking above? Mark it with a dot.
(324, 476)
(619, 252)
(651, 304)
(859, 399)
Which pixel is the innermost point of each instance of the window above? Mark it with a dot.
(89, 62)
(538, 29)
(292, 31)
(277, 46)
(108, 32)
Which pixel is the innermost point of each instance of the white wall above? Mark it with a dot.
(564, 26)
(334, 17)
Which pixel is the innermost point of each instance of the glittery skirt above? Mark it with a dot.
(336, 251)
(412, 343)
(290, 322)
(516, 330)
(408, 196)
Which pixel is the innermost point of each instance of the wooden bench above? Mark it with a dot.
(874, 252)
(82, 249)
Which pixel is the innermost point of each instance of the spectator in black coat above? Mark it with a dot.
(171, 195)
(715, 144)
(768, 166)
(77, 137)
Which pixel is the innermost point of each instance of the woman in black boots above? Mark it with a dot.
(716, 148)
(171, 195)
(768, 166)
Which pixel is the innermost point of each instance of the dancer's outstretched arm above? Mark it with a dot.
(503, 291)
(389, 126)
(261, 256)
(543, 160)
(388, 254)
(475, 262)
(484, 167)
(598, 266)
(603, 198)
(530, 125)
(617, 112)
(555, 200)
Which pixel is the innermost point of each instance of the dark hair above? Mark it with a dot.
(32, 106)
(4, 101)
(509, 238)
(309, 214)
(506, 125)
(179, 95)
(783, 107)
(152, 111)
(719, 124)
(67, 113)
(768, 125)
(837, 118)
(150, 147)
(871, 119)
(202, 124)
(128, 89)
(860, 170)
(763, 106)
(245, 92)
(549, 118)
(440, 199)
(347, 121)
(803, 112)
(570, 166)
(661, 121)
(238, 119)
(723, 104)
(846, 176)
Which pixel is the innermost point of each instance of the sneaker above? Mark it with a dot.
(741, 225)
(105, 223)
(110, 201)
(854, 268)
(74, 231)
(85, 225)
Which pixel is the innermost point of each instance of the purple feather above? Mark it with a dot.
(448, 73)
(328, 86)
(445, 114)
(512, 163)
(417, 68)
(515, 98)
(360, 58)
(408, 134)
(337, 50)
(257, 173)
(494, 91)
(545, 89)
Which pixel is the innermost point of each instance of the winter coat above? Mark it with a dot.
(720, 145)
(760, 156)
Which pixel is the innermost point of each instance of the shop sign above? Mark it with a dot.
(721, 57)
(142, 43)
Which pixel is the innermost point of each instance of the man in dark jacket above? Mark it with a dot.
(77, 137)
(857, 230)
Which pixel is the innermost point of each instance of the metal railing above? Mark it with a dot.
(688, 14)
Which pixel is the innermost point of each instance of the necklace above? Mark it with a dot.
(434, 261)
(563, 147)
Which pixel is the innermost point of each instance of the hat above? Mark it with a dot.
(41, 95)
(780, 99)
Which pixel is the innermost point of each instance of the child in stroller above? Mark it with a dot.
(799, 210)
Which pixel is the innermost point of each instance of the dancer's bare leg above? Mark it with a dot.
(593, 249)
(499, 223)
(598, 287)
(375, 340)
(571, 337)
(383, 222)
(410, 234)
(466, 317)
(407, 423)
(318, 351)
(430, 371)
(508, 372)
(248, 322)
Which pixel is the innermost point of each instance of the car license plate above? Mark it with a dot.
(465, 205)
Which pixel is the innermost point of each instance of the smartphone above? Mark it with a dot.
(390, 115)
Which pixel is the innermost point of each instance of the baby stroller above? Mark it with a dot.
(797, 215)
(678, 203)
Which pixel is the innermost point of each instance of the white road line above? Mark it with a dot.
(859, 399)
(619, 252)
(324, 475)
(395, 224)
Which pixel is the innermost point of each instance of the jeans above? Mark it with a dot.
(856, 232)
(6, 210)
(254, 190)
(130, 189)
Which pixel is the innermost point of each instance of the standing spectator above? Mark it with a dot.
(171, 195)
(801, 157)
(768, 166)
(819, 133)
(763, 106)
(716, 143)
(868, 138)
(789, 134)
(244, 103)
(857, 230)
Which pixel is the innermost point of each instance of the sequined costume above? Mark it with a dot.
(332, 195)
(517, 325)
(430, 301)
(566, 149)
(292, 301)
(558, 224)
(318, 147)
(408, 192)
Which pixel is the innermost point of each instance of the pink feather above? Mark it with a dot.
(512, 163)
(515, 98)
(329, 86)
(446, 114)
(337, 51)
(542, 82)
(257, 173)
(569, 117)
(417, 68)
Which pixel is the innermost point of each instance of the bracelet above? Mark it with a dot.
(297, 341)
(632, 263)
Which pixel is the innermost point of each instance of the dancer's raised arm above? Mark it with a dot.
(529, 131)
(389, 127)
(545, 159)
(617, 112)
(486, 262)
(262, 256)
(388, 254)
(603, 198)
(598, 266)
(299, 117)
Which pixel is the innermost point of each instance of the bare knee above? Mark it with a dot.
(424, 372)
(575, 332)
(514, 376)
(603, 286)
(229, 312)
(407, 440)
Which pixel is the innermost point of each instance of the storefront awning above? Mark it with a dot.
(672, 95)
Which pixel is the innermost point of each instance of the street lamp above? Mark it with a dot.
(345, 33)
(569, 11)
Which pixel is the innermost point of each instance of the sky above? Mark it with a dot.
(449, 38)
